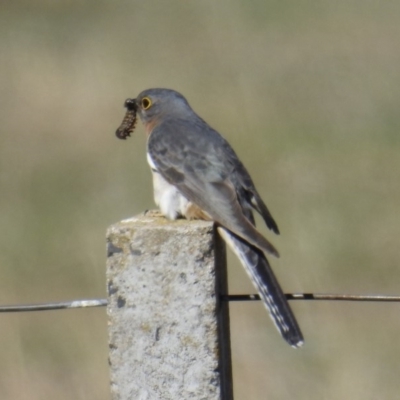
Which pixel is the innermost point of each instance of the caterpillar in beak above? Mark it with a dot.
(128, 123)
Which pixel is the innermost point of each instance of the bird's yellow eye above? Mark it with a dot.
(146, 103)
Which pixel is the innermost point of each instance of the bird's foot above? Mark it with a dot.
(153, 213)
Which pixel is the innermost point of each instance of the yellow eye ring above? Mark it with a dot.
(146, 103)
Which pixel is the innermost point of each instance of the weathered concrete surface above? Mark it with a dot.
(165, 319)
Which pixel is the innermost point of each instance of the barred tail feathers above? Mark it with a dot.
(263, 278)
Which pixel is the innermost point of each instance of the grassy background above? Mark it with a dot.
(307, 93)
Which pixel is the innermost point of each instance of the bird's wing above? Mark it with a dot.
(250, 192)
(192, 157)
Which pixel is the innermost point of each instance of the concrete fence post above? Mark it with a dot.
(168, 329)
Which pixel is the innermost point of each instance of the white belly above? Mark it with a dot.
(171, 202)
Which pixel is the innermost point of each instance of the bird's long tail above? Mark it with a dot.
(263, 278)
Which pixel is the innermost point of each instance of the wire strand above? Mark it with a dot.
(67, 305)
(317, 296)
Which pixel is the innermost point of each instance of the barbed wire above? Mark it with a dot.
(87, 303)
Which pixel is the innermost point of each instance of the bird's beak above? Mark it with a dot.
(128, 123)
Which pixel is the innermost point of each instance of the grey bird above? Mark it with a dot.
(197, 175)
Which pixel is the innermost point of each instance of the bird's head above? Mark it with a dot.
(153, 105)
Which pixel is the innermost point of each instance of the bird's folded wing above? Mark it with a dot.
(203, 177)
